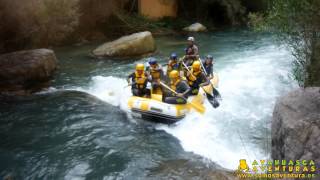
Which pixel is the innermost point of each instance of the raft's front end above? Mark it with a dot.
(155, 110)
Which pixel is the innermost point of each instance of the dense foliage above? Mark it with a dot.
(297, 23)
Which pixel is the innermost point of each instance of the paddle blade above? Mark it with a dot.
(213, 101)
(198, 107)
(216, 93)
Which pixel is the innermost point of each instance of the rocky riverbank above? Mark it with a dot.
(24, 72)
(296, 126)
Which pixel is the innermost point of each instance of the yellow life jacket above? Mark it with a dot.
(193, 77)
(171, 65)
(140, 80)
(173, 85)
(155, 73)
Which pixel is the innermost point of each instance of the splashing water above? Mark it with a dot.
(240, 127)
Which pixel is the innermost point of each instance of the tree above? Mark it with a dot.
(297, 23)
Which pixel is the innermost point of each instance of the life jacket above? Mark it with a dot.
(155, 73)
(190, 50)
(193, 77)
(140, 80)
(173, 65)
(173, 85)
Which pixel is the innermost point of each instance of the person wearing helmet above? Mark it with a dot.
(155, 74)
(208, 66)
(173, 63)
(180, 86)
(139, 82)
(196, 78)
(192, 52)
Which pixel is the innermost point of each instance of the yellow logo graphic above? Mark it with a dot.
(243, 166)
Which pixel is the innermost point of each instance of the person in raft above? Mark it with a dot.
(196, 78)
(155, 74)
(192, 52)
(181, 88)
(139, 82)
(208, 66)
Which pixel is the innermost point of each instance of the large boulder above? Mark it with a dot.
(296, 126)
(24, 72)
(136, 44)
(196, 27)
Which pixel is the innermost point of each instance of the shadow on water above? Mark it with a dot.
(70, 134)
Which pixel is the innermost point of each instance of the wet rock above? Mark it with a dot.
(24, 72)
(296, 126)
(196, 27)
(136, 44)
(190, 169)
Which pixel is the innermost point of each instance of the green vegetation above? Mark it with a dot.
(297, 23)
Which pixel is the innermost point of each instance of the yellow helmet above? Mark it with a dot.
(139, 67)
(196, 66)
(174, 74)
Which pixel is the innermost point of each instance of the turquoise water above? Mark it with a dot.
(81, 129)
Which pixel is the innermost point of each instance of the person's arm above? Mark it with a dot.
(204, 80)
(211, 71)
(130, 76)
(195, 50)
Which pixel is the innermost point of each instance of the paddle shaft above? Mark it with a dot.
(164, 85)
(201, 110)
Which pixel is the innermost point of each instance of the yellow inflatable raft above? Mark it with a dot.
(153, 109)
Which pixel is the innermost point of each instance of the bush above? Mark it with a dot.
(297, 23)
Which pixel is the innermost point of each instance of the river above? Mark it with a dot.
(80, 127)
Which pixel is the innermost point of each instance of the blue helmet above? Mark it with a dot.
(209, 57)
(152, 61)
(173, 56)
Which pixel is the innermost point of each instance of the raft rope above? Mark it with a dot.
(244, 146)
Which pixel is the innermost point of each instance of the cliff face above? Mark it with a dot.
(296, 126)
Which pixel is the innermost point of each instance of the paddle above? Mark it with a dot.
(196, 107)
(214, 90)
(210, 98)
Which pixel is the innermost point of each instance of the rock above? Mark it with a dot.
(196, 27)
(24, 72)
(136, 44)
(296, 126)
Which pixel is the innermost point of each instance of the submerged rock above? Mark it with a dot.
(136, 44)
(24, 72)
(296, 126)
(196, 27)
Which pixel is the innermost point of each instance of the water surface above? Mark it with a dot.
(81, 128)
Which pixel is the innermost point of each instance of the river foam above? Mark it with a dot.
(240, 128)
